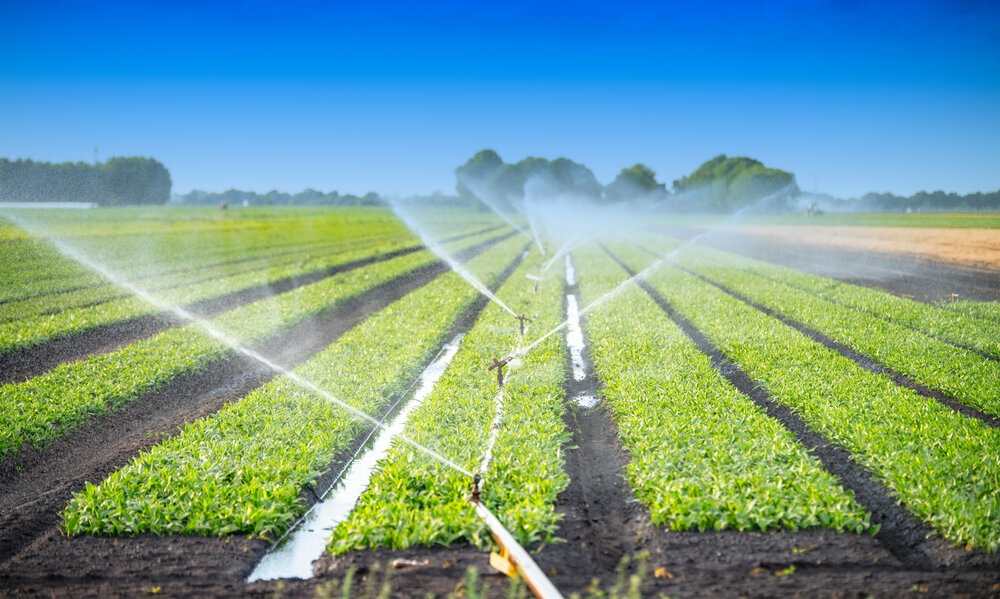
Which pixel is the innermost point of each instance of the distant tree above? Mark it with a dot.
(477, 169)
(636, 181)
(135, 181)
(115, 182)
(575, 178)
(488, 178)
(726, 184)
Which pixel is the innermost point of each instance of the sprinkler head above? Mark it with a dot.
(476, 479)
(498, 366)
(522, 319)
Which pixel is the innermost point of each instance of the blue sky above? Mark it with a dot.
(851, 96)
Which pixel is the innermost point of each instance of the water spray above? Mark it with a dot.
(407, 217)
(483, 197)
(221, 336)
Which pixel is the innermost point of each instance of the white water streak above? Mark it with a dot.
(570, 272)
(574, 339)
(293, 555)
(218, 334)
(407, 217)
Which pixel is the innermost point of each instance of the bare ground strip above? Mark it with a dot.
(601, 520)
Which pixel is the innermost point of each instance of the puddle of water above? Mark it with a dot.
(294, 554)
(574, 338)
(575, 341)
(586, 400)
(570, 271)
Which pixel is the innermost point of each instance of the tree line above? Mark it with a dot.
(922, 201)
(720, 184)
(307, 197)
(119, 181)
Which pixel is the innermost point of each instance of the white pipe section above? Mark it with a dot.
(539, 584)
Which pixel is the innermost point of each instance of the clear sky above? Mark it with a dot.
(357, 96)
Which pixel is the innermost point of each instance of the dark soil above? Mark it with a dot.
(601, 524)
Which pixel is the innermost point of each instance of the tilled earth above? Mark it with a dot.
(602, 522)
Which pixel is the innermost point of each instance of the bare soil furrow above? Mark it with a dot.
(601, 519)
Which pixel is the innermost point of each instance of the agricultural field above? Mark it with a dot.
(774, 413)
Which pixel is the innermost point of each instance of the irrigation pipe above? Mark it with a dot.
(513, 559)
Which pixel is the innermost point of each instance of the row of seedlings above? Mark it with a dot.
(22, 331)
(149, 247)
(943, 466)
(414, 499)
(194, 236)
(947, 325)
(970, 378)
(244, 468)
(199, 279)
(19, 333)
(48, 406)
(703, 456)
(987, 311)
(31, 267)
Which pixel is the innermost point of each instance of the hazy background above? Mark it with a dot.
(851, 96)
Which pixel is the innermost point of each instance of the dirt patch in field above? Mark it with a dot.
(967, 248)
(925, 264)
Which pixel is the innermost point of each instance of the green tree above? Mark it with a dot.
(475, 171)
(726, 184)
(636, 181)
(135, 181)
(487, 177)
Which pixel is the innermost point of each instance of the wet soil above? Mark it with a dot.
(601, 525)
(919, 266)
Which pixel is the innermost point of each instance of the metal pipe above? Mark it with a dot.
(513, 559)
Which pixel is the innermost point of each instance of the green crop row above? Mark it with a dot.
(944, 467)
(244, 468)
(258, 270)
(166, 239)
(138, 244)
(988, 311)
(415, 500)
(27, 332)
(31, 267)
(43, 408)
(947, 325)
(703, 456)
(968, 377)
